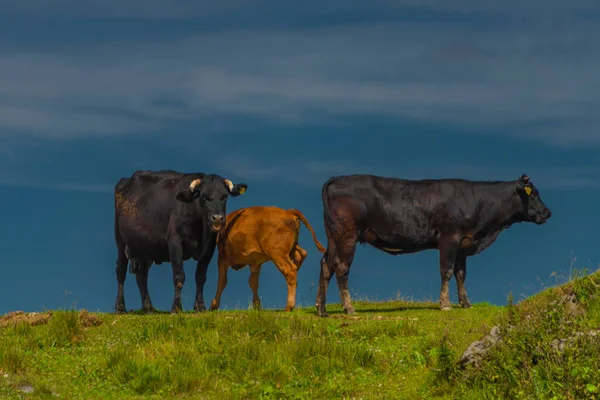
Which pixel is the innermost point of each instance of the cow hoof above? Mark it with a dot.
(120, 308)
(175, 310)
(323, 314)
(446, 308)
(350, 310)
(468, 305)
(199, 308)
(149, 310)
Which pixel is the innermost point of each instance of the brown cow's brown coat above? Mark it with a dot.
(255, 235)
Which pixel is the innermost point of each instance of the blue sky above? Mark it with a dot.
(283, 95)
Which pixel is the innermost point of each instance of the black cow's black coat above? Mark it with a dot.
(459, 217)
(168, 216)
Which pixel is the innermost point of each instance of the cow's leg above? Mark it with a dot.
(253, 283)
(201, 269)
(460, 273)
(325, 274)
(342, 271)
(341, 246)
(324, 279)
(448, 248)
(221, 284)
(121, 275)
(176, 258)
(298, 256)
(141, 277)
(290, 272)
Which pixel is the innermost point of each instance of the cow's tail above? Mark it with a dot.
(302, 218)
(327, 220)
(326, 214)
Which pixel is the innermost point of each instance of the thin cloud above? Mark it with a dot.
(315, 173)
(468, 78)
(185, 9)
(60, 186)
(147, 9)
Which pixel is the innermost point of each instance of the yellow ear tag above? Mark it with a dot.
(528, 190)
(242, 190)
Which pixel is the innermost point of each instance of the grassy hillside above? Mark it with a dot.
(388, 350)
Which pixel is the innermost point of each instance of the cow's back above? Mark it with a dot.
(143, 205)
(253, 231)
(148, 195)
(390, 212)
(410, 214)
(369, 198)
(385, 196)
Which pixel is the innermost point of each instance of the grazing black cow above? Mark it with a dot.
(459, 217)
(169, 216)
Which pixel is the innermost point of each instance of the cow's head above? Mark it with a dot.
(212, 192)
(534, 208)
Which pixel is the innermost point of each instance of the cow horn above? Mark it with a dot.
(194, 183)
(229, 184)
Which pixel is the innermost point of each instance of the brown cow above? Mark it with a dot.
(254, 235)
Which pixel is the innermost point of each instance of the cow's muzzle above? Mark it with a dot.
(216, 222)
(542, 218)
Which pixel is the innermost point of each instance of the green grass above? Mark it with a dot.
(399, 350)
(525, 365)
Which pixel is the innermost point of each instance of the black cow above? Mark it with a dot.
(169, 216)
(459, 217)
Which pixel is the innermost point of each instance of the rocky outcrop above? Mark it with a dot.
(478, 349)
(570, 308)
(565, 343)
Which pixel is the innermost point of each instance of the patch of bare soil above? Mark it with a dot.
(88, 319)
(14, 317)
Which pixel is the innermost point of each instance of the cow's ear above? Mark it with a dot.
(524, 185)
(235, 190)
(189, 193)
(238, 189)
(524, 179)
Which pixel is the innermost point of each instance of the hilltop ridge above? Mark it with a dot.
(395, 349)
